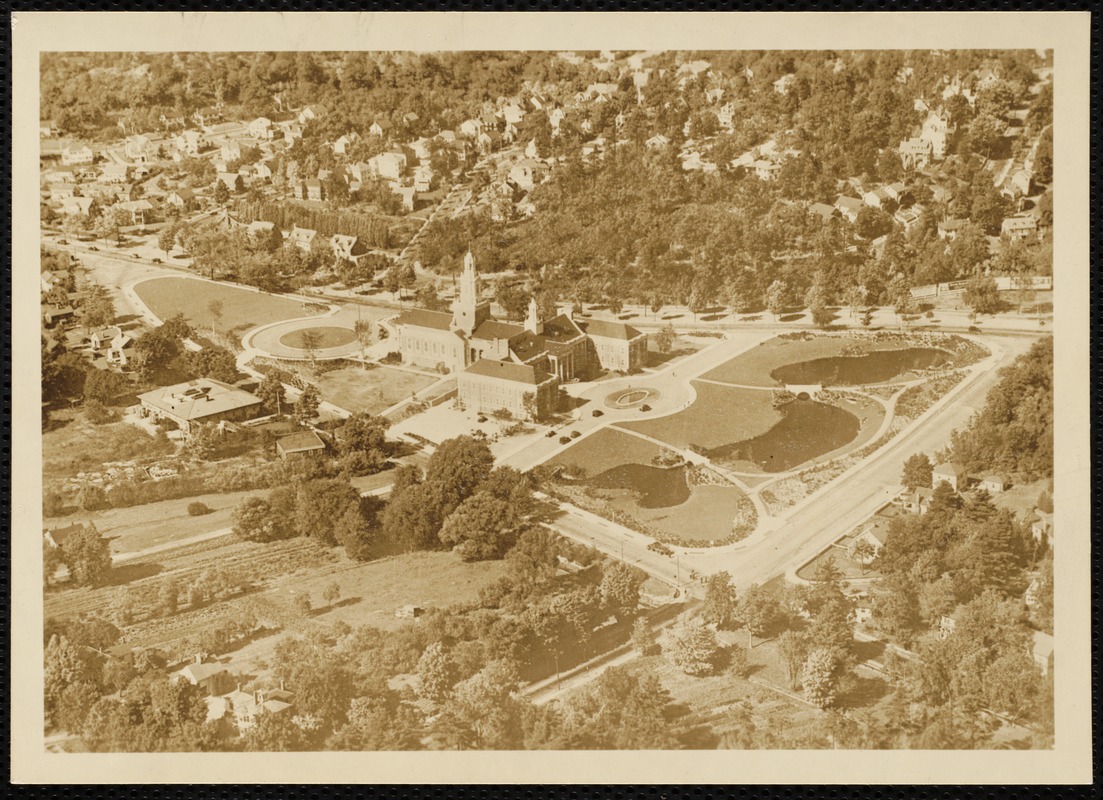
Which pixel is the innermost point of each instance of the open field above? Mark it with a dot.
(152, 524)
(720, 415)
(706, 516)
(79, 446)
(371, 390)
(241, 309)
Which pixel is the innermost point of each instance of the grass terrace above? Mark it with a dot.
(372, 390)
(720, 415)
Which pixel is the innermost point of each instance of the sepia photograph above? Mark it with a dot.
(514, 398)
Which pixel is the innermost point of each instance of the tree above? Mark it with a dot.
(166, 239)
(455, 471)
(482, 527)
(271, 393)
(756, 611)
(862, 552)
(664, 338)
(982, 295)
(98, 309)
(213, 362)
(620, 589)
(320, 504)
(917, 472)
(102, 385)
(214, 307)
(363, 433)
(483, 712)
(331, 593)
(693, 648)
(156, 350)
(310, 340)
(221, 193)
(793, 648)
(255, 521)
(720, 600)
(306, 407)
(436, 673)
(644, 638)
(87, 555)
(776, 295)
(302, 603)
(820, 677)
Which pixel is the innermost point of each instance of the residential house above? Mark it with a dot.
(379, 128)
(53, 314)
(232, 181)
(600, 92)
(77, 154)
(302, 238)
(915, 153)
(56, 537)
(116, 351)
(315, 189)
(783, 84)
(201, 401)
(424, 178)
(262, 128)
(408, 195)
(101, 339)
(141, 211)
(305, 444)
(139, 148)
(447, 136)
(222, 129)
(947, 623)
(262, 170)
(347, 248)
(62, 191)
(1019, 186)
(1041, 526)
(343, 143)
(917, 501)
(954, 474)
(875, 197)
(248, 707)
(309, 113)
(390, 166)
(471, 128)
(525, 173)
(823, 211)
(873, 535)
(291, 132)
(937, 130)
(909, 217)
(211, 678)
(78, 206)
(657, 142)
(419, 148)
(115, 173)
(208, 116)
(555, 119)
(190, 142)
(993, 484)
(848, 207)
(47, 128)
(48, 279)
(1041, 651)
(489, 140)
(231, 150)
(260, 228)
(183, 199)
(1019, 227)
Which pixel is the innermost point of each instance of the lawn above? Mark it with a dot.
(371, 390)
(79, 446)
(328, 336)
(721, 415)
(241, 308)
(139, 527)
(752, 368)
(706, 516)
(606, 449)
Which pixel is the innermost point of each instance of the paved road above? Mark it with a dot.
(808, 528)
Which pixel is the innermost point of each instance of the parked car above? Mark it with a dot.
(63, 241)
(94, 249)
(156, 261)
(575, 434)
(660, 548)
(645, 407)
(564, 439)
(550, 434)
(598, 412)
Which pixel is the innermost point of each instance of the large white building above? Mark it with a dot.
(514, 366)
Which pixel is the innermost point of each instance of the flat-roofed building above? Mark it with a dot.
(202, 401)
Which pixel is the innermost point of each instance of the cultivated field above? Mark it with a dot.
(371, 390)
(720, 415)
(241, 308)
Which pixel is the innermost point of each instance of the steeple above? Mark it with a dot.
(467, 311)
(532, 321)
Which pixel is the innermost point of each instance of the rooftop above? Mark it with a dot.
(420, 318)
(301, 442)
(505, 370)
(611, 330)
(197, 399)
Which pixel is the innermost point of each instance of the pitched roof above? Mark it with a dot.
(494, 329)
(59, 535)
(610, 330)
(200, 672)
(421, 318)
(508, 371)
(950, 468)
(301, 442)
(561, 328)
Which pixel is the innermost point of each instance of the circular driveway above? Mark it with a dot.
(278, 340)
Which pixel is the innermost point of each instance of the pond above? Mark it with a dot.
(875, 367)
(660, 487)
(808, 429)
